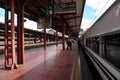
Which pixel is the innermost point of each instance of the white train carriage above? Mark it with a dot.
(102, 43)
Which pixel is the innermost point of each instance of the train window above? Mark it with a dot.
(88, 42)
(111, 49)
(93, 43)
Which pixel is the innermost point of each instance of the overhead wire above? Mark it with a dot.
(91, 17)
(99, 13)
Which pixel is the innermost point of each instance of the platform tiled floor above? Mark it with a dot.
(52, 64)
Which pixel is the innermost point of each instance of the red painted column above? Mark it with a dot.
(10, 44)
(63, 37)
(20, 33)
(44, 39)
(56, 38)
(14, 65)
(6, 37)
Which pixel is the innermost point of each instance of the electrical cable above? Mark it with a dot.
(91, 17)
(99, 13)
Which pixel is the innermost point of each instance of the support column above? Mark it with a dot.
(10, 58)
(20, 32)
(63, 37)
(44, 39)
(56, 38)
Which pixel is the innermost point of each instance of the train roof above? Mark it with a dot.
(114, 4)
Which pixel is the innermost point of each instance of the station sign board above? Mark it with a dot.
(63, 8)
(44, 22)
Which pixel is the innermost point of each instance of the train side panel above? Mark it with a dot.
(109, 22)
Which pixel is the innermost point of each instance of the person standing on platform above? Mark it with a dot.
(69, 44)
(78, 42)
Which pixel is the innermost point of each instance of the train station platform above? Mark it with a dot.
(52, 64)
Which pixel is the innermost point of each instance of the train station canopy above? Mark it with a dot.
(66, 13)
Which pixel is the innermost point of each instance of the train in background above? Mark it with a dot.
(101, 43)
(31, 37)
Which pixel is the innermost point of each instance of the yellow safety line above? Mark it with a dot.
(76, 75)
(73, 67)
(74, 72)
